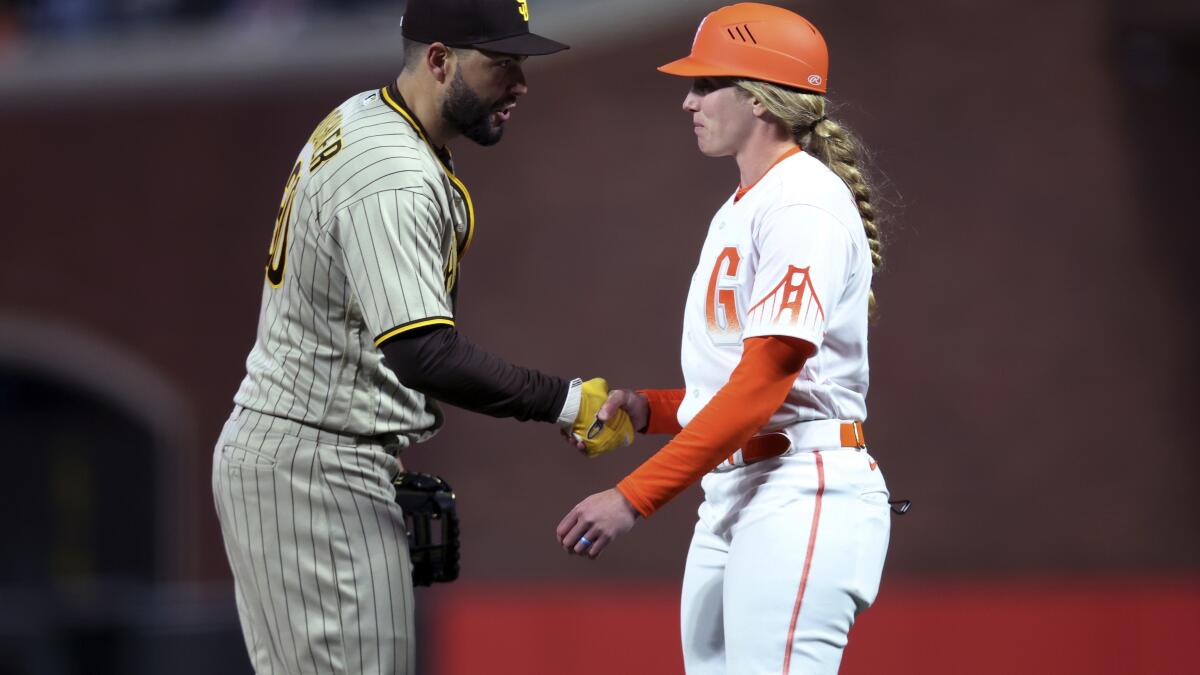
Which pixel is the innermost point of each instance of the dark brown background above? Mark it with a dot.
(1032, 367)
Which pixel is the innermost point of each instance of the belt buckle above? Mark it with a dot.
(860, 440)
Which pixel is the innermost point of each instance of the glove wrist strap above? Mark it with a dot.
(570, 409)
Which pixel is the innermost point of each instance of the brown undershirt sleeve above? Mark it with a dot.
(443, 364)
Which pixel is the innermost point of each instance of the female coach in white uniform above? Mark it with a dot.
(791, 537)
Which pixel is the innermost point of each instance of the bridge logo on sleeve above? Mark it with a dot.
(793, 302)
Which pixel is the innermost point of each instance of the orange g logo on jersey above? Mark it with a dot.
(720, 304)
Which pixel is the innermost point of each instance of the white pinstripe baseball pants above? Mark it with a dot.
(317, 546)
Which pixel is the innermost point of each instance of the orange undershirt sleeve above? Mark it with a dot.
(664, 408)
(755, 390)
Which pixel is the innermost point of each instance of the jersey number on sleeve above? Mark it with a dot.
(277, 254)
(720, 304)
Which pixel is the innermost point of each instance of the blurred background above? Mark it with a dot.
(1033, 365)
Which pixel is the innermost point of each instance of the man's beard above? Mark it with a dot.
(470, 114)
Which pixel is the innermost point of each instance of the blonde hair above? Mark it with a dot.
(803, 114)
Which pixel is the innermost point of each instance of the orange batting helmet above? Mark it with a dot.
(760, 42)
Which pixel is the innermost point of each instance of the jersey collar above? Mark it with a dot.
(393, 99)
(391, 95)
(741, 191)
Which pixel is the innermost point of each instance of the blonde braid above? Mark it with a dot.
(803, 114)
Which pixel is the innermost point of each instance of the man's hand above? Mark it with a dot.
(619, 404)
(596, 521)
(589, 432)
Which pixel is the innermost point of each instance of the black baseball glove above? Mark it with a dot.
(432, 522)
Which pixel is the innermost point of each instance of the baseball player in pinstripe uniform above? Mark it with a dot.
(357, 341)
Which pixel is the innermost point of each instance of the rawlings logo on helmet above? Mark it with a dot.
(814, 80)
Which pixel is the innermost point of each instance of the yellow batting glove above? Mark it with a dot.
(599, 437)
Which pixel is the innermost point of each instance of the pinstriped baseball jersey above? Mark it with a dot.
(367, 244)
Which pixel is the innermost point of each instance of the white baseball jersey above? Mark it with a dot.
(789, 258)
(787, 550)
(367, 245)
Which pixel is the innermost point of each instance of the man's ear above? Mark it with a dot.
(439, 59)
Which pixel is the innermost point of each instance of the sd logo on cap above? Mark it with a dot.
(490, 25)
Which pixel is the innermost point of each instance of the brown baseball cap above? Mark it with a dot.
(495, 25)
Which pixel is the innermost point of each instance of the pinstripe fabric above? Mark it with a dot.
(371, 243)
(367, 243)
(317, 546)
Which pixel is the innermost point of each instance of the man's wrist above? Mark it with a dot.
(570, 409)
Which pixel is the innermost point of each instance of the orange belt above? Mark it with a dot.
(775, 444)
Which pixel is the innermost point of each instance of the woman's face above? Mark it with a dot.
(721, 116)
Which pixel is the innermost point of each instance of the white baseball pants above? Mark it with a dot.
(786, 552)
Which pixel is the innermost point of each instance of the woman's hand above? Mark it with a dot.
(595, 522)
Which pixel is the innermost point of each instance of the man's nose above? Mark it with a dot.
(518, 86)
